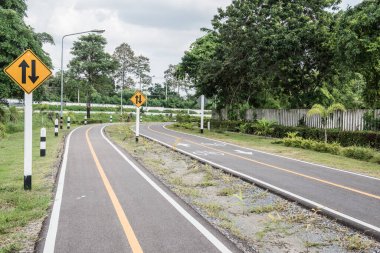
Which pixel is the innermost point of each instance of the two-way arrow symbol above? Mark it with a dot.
(33, 77)
(138, 99)
(23, 65)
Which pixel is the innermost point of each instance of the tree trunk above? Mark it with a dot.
(88, 105)
(326, 133)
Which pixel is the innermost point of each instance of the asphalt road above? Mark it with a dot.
(349, 197)
(107, 202)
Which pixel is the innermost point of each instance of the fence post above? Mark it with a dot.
(56, 127)
(85, 119)
(43, 142)
(68, 122)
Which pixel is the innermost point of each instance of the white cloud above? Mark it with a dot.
(159, 29)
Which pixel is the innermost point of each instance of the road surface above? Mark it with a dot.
(106, 202)
(349, 197)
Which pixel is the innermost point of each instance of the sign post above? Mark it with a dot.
(138, 99)
(28, 114)
(28, 72)
(201, 102)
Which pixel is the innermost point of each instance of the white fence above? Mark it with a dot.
(349, 120)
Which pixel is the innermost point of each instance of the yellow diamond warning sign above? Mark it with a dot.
(138, 98)
(28, 71)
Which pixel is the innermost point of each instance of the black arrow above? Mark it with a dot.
(33, 77)
(137, 99)
(23, 65)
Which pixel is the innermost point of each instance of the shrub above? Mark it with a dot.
(359, 153)
(13, 114)
(247, 128)
(14, 127)
(264, 127)
(2, 131)
(3, 114)
(186, 125)
(344, 138)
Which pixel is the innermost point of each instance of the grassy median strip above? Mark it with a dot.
(22, 212)
(266, 144)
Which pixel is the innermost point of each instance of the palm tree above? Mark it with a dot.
(324, 113)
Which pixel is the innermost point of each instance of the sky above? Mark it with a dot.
(158, 29)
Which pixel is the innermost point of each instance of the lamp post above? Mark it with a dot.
(91, 31)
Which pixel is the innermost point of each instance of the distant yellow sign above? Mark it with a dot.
(138, 98)
(28, 71)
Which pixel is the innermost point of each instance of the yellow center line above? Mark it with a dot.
(278, 168)
(132, 239)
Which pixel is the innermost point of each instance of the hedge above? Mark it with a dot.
(345, 138)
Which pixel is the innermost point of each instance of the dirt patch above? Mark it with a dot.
(253, 218)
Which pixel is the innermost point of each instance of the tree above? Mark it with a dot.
(15, 38)
(325, 113)
(357, 43)
(126, 58)
(176, 79)
(142, 70)
(263, 53)
(92, 65)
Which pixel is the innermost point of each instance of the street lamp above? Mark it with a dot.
(91, 31)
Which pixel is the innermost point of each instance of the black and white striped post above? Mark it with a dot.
(56, 127)
(68, 122)
(61, 122)
(43, 142)
(110, 118)
(85, 119)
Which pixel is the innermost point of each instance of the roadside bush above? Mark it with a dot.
(185, 125)
(4, 114)
(265, 127)
(344, 138)
(2, 130)
(186, 118)
(14, 115)
(14, 127)
(359, 153)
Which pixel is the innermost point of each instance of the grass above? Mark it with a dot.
(268, 208)
(18, 208)
(266, 145)
(228, 191)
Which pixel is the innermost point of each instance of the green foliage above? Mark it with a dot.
(325, 113)
(370, 121)
(2, 130)
(359, 153)
(264, 54)
(358, 46)
(92, 67)
(185, 125)
(15, 38)
(354, 152)
(264, 127)
(14, 115)
(344, 138)
(4, 114)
